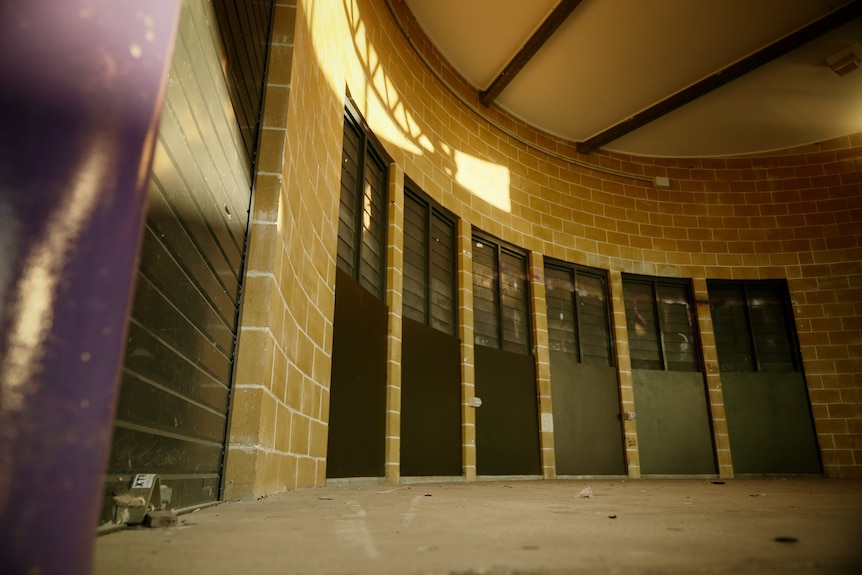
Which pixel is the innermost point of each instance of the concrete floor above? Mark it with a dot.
(743, 526)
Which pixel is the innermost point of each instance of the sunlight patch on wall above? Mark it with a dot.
(485, 180)
(374, 92)
(385, 126)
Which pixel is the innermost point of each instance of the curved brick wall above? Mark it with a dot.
(795, 214)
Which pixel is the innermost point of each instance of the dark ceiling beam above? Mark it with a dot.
(778, 48)
(557, 16)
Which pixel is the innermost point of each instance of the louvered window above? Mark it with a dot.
(429, 262)
(661, 324)
(501, 310)
(578, 314)
(362, 211)
(753, 326)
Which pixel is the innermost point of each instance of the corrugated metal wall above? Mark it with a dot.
(172, 410)
(244, 27)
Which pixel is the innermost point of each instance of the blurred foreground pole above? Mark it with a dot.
(81, 89)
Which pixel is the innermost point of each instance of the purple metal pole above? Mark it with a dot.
(81, 88)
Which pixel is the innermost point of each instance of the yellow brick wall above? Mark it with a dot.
(541, 353)
(394, 291)
(468, 358)
(624, 369)
(278, 433)
(795, 215)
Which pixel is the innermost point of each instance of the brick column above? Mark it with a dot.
(715, 395)
(542, 356)
(465, 333)
(624, 367)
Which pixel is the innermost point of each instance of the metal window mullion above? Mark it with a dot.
(427, 239)
(498, 295)
(528, 305)
(752, 335)
(609, 328)
(453, 274)
(658, 324)
(384, 223)
(577, 319)
(360, 206)
(790, 328)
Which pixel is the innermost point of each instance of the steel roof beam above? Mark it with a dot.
(557, 16)
(800, 37)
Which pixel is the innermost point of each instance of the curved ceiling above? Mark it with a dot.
(611, 63)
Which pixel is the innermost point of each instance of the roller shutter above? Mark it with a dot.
(175, 384)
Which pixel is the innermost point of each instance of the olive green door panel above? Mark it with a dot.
(357, 403)
(507, 423)
(674, 436)
(769, 423)
(430, 401)
(588, 437)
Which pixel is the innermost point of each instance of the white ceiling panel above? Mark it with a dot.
(614, 58)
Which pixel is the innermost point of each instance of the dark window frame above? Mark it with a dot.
(369, 150)
(433, 210)
(656, 283)
(506, 249)
(575, 272)
(754, 344)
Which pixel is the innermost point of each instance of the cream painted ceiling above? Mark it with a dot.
(613, 58)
